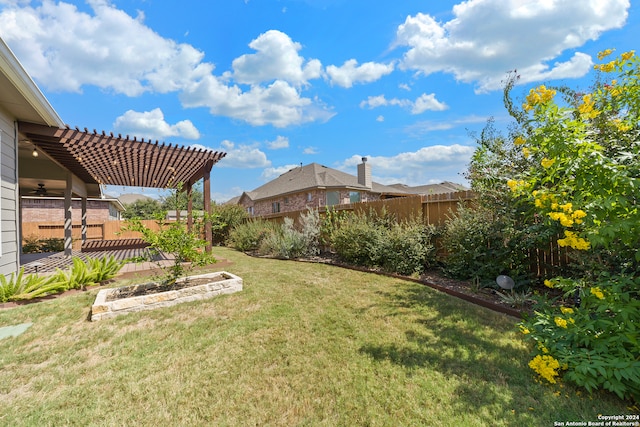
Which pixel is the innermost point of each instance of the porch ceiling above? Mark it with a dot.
(101, 158)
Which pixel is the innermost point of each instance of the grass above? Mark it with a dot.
(302, 344)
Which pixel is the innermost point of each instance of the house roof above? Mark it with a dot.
(315, 176)
(132, 198)
(20, 95)
(425, 190)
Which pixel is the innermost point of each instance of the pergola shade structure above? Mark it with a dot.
(106, 159)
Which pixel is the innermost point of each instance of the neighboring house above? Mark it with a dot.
(51, 209)
(429, 189)
(20, 99)
(171, 214)
(315, 186)
(127, 199)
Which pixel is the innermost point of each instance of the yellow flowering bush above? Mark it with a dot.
(546, 366)
(584, 182)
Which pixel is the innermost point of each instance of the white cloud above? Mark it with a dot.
(380, 118)
(427, 103)
(242, 156)
(279, 143)
(427, 165)
(422, 127)
(278, 104)
(423, 103)
(271, 173)
(65, 49)
(350, 73)
(151, 124)
(277, 58)
(310, 150)
(487, 38)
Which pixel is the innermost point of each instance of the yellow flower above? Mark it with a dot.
(560, 322)
(586, 108)
(607, 68)
(546, 366)
(574, 241)
(565, 220)
(538, 203)
(524, 330)
(526, 152)
(519, 140)
(578, 213)
(539, 95)
(548, 283)
(603, 54)
(546, 163)
(567, 207)
(628, 55)
(597, 292)
(566, 310)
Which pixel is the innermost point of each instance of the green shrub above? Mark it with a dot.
(283, 242)
(227, 217)
(475, 245)
(358, 240)
(408, 248)
(34, 245)
(310, 229)
(248, 236)
(52, 245)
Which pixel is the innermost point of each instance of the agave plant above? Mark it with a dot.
(104, 268)
(22, 287)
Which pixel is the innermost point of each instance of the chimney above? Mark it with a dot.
(364, 173)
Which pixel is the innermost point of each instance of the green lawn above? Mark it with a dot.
(302, 344)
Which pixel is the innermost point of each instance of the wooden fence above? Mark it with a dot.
(433, 209)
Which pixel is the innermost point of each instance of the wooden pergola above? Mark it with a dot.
(106, 159)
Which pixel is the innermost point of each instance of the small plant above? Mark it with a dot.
(104, 268)
(516, 299)
(174, 239)
(77, 277)
(21, 286)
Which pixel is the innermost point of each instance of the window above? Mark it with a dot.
(309, 197)
(354, 197)
(333, 198)
(286, 200)
(250, 210)
(275, 207)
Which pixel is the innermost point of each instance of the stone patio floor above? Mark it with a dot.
(46, 263)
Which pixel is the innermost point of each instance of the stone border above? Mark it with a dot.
(103, 309)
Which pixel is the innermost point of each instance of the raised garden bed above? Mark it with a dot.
(149, 296)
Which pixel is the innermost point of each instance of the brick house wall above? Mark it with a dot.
(52, 211)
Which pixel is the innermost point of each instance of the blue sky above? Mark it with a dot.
(277, 83)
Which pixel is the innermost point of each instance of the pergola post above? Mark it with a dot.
(83, 202)
(68, 240)
(208, 232)
(189, 207)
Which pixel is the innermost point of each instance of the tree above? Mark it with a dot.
(142, 209)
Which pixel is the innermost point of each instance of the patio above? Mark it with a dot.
(46, 263)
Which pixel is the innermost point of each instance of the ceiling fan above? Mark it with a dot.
(40, 191)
